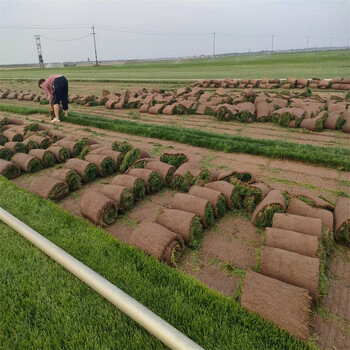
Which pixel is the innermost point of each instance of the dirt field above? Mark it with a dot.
(232, 245)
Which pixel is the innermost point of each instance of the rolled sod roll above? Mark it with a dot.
(187, 225)
(334, 121)
(133, 183)
(298, 207)
(98, 208)
(151, 178)
(71, 177)
(122, 147)
(16, 147)
(313, 200)
(174, 158)
(292, 241)
(273, 203)
(284, 305)
(297, 223)
(9, 169)
(46, 157)
(342, 220)
(3, 140)
(116, 156)
(74, 147)
(165, 170)
(27, 163)
(119, 194)
(62, 154)
(158, 241)
(243, 176)
(199, 206)
(13, 136)
(262, 111)
(296, 269)
(5, 153)
(49, 187)
(86, 170)
(30, 145)
(43, 142)
(216, 199)
(314, 124)
(225, 188)
(104, 164)
(15, 121)
(131, 157)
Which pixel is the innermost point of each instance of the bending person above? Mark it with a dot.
(56, 87)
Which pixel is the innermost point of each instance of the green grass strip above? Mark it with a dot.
(174, 160)
(48, 306)
(221, 206)
(209, 215)
(122, 147)
(130, 158)
(334, 157)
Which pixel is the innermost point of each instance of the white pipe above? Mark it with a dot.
(162, 330)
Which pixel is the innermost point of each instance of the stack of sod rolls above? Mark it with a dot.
(9, 169)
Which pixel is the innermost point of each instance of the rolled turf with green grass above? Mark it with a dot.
(121, 146)
(9, 169)
(151, 178)
(62, 154)
(3, 140)
(119, 194)
(43, 142)
(342, 221)
(173, 158)
(133, 183)
(104, 164)
(98, 208)
(71, 177)
(86, 170)
(30, 145)
(46, 157)
(130, 158)
(27, 163)
(5, 153)
(16, 147)
(50, 188)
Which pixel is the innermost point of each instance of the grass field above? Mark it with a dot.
(323, 64)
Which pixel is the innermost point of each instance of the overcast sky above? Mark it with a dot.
(143, 29)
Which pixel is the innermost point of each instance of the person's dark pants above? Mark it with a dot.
(60, 92)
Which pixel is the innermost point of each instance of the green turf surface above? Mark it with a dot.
(322, 64)
(334, 157)
(41, 305)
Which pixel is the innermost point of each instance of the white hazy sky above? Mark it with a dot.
(240, 25)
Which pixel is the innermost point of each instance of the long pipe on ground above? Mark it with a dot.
(162, 330)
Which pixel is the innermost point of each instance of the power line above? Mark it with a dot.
(53, 39)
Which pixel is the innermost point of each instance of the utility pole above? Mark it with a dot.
(272, 41)
(93, 33)
(40, 53)
(214, 45)
(307, 42)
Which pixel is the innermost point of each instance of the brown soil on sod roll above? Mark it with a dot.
(298, 207)
(284, 305)
(49, 187)
(129, 182)
(57, 150)
(262, 110)
(158, 241)
(262, 188)
(211, 195)
(116, 192)
(98, 208)
(98, 160)
(191, 204)
(177, 221)
(296, 269)
(81, 167)
(292, 241)
(27, 162)
(317, 201)
(14, 147)
(225, 188)
(297, 223)
(331, 120)
(15, 121)
(311, 123)
(244, 176)
(346, 126)
(43, 142)
(273, 197)
(145, 175)
(9, 169)
(342, 220)
(165, 170)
